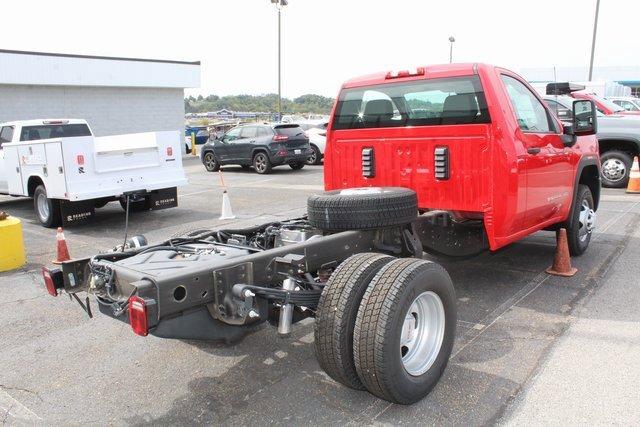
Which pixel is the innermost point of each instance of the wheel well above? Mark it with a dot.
(630, 147)
(591, 178)
(258, 150)
(32, 184)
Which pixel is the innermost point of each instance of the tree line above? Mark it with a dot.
(264, 103)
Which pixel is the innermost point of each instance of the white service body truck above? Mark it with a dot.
(69, 172)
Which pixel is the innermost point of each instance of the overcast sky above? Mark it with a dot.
(325, 41)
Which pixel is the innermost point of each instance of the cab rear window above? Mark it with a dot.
(34, 133)
(432, 102)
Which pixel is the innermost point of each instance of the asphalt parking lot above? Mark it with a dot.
(57, 366)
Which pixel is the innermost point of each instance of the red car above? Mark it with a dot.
(603, 105)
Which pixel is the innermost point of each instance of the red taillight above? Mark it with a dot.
(48, 282)
(280, 138)
(282, 152)
(138, 316)
(169, 151)
(80, 159)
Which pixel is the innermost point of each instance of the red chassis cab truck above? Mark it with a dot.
(477, 145)
(453, 159)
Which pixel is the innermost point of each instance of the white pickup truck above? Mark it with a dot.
(69, 172)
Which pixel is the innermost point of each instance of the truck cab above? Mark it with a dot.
(479, 147)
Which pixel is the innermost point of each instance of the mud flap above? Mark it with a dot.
(77, 212)
(163, 199)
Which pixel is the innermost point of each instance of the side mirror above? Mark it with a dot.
(568, 135)
(584, 117)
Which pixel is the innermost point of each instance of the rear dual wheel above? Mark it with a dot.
(399, 342)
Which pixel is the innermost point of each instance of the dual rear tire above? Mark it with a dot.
(386, 325)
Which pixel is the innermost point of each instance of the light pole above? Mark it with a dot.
(279, 5)
(593, 42)
(451, 40)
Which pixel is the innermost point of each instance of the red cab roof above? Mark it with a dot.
(431, 71)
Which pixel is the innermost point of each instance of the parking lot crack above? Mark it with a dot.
(25, 390)
(20, 300)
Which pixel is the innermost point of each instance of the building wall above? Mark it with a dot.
(109, 110)
(72, 70)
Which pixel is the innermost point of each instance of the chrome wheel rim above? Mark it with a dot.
(210, 161)
(260, 163)
(43, 206)
(586, 220)
(614, 169)
(422, 333)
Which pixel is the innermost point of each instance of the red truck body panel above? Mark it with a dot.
(493, 175)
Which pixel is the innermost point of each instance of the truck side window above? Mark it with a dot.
(6, 134)
(530, 113)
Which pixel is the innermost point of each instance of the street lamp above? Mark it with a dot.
(593, 41)
(451, 40)
(279, 5)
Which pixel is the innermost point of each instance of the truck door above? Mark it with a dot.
(548, 169)
(6, 134)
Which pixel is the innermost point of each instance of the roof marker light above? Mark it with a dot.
(420, 71)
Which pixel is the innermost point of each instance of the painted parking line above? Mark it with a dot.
(15, 408)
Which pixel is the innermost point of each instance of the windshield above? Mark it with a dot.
(34, 133)
(430, 102)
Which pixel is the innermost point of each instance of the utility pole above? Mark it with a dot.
(451, 40)
(593, 42)
(279, 5)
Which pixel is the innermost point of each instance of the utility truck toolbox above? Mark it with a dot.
(452, 159)
(69, 172)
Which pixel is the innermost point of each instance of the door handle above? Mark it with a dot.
(534, 150)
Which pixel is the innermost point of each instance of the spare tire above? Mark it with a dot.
(362, 208)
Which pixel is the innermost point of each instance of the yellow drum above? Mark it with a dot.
(11, 244)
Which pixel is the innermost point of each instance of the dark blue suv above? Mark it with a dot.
(262, 146)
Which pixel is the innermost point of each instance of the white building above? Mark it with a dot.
(115, 95)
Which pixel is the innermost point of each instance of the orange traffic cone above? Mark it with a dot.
(634, 178)
(63, 251)
(562, 261)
